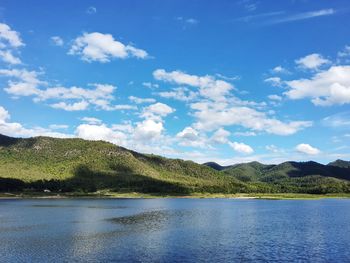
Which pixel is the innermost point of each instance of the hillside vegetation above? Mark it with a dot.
(79, 165)
(294, 177)
(76, 165)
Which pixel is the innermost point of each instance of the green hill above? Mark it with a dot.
(306, 177)
(79, 165)
(76, 165)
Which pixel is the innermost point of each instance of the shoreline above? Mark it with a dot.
(134, 195)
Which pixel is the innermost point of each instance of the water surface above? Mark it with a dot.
(174, 230)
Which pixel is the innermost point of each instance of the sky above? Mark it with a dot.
(225, 81)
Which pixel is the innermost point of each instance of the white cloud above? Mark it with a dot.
(8, 57)
(209, 86)
(338, 120)
(325, 88)
(138, 100)
(58, 41)
(220, 136)
(103, 48)
(312, 61)
(122, 107)
(226, 77)
(91, 120)
(100, 132)
(272, 148)
(150, 85)
(17, 130)
(304, 15)
(217, 108)
(188, 133)
(156, 111)
(148, 130)
(241, 147)
(279, 70)
(4, 114)
(91, 10)
(12, 37)
(181, 93)
(274, 81)
(76, 106)
(10, 41)
(246, 133)
(27, 83)
(345, 52)
(209, 118)
(307, 149)
(275, 97)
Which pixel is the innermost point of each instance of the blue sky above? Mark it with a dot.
(225, 81)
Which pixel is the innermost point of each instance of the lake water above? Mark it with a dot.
(174, 230)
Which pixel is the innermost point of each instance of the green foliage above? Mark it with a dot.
(86, 166)
(76, 165)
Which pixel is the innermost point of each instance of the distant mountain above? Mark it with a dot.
(76, 165)
(293, 176)
(340, 163)
(215, 166)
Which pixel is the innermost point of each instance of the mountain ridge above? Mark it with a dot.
(77, 165)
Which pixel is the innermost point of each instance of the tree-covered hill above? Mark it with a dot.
(311, 177)
(79, 165)
(76, 165)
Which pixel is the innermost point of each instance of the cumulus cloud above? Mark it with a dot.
(156, 111)
(148, 130)
(217, 108)
(8, 57)
(192, 138)
(220, 136)
(312, 61)
(181, 93)
(27, 83)
(10, 41)
(11, 37)
(103, 48)
(307, 149)
(18, 130)
(99, 132)
(241, 147)
(325, 88)
(209, 117)
(209, 86)
(77, 106)
(57, 41)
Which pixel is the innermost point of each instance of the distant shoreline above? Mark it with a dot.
(133, 195)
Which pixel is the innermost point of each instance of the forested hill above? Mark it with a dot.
(76, 165)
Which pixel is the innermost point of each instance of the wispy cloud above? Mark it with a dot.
(259, 16)
(277, 17)
(303, 16)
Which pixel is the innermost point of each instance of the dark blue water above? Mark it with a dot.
(174, 230)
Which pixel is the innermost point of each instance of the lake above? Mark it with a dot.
(174, 230)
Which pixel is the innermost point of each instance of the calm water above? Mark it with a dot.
(174, 230)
